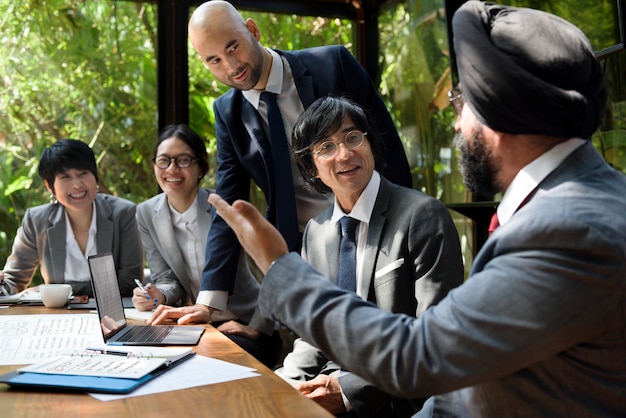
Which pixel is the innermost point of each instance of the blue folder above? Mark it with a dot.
(41, 381)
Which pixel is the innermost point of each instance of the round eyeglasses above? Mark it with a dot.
(181, 161)
(328, 149)
(456, 98)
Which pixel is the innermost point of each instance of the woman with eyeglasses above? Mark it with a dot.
(174, 226)
(175, 222)
(78, 222)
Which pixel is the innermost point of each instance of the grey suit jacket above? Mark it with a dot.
(537, 329)
(412, 259)
(40, 241)
(170, 273)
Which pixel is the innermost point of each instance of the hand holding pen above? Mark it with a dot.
(147, 297)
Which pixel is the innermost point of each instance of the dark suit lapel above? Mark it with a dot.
(301, 78)
(374, 245)
(204, 214)
(331, 244)
(323, 251)
(104, 222)
(259, 141)
(57, 234)
(162, 221)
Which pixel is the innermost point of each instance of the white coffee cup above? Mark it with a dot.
(54, 295)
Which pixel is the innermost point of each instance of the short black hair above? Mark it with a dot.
(322, 118)
(63, 155)
(193, 141)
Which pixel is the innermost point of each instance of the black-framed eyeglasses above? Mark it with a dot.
(328, 149)
(456, 98)
(181, 161)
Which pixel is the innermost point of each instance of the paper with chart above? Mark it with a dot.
(27, 339)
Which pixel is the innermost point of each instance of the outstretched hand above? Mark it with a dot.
(194, 314)
(256, 235)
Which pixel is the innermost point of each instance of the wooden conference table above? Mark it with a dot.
(264, 396)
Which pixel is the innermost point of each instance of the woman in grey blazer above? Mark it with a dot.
(174, 226)
(79, 222)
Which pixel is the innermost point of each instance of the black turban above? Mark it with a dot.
(524, 71)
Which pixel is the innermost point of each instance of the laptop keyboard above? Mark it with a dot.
(148, 333)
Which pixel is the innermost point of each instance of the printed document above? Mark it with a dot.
(27, 339)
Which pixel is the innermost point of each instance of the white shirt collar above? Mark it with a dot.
(274, 81)
(531, 175)
(364, 205)
(189, 215)
(93, 228)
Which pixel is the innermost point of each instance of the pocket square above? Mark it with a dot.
(389, 267)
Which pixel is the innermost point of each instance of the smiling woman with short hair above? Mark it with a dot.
(78, 222)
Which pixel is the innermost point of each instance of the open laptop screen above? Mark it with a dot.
(106, 291)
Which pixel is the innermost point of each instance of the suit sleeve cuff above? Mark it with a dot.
(346, 401)
(216, 299)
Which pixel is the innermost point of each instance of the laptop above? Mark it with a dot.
(115, 329)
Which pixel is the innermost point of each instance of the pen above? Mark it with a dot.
(140, 285)
(110, 352)
(143, 289)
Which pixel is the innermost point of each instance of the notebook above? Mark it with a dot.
(115, 329)
(98, 371)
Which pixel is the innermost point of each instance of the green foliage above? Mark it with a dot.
(415, 82)
(70, 69)
(87, 70)
(416, 78)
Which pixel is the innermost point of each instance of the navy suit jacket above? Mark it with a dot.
(243, 150)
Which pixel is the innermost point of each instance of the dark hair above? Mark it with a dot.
(324, 117)
(63, 155)
(193, 141)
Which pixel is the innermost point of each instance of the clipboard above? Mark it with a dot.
(95, 384)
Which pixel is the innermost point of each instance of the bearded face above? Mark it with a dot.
(477, 163)
(247, 75)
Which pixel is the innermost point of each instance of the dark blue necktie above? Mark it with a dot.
(346, 272)
(284, 210)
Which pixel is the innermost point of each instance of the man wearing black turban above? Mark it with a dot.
(538, 329)
(523, 71)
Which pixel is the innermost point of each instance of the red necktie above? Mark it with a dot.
(495, 222)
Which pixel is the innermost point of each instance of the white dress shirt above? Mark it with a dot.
(76, 266)
(191, 246)
(361, 211)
